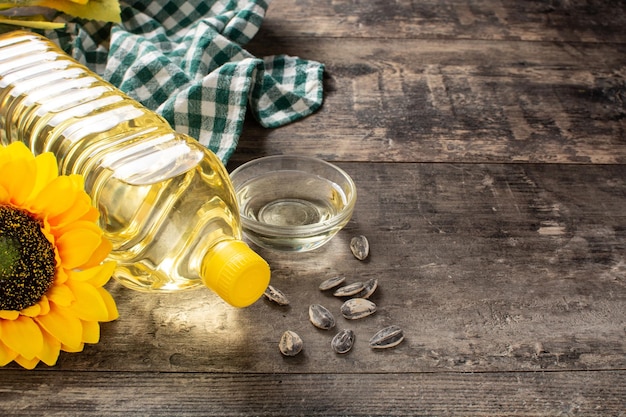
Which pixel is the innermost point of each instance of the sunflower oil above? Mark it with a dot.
(166, 202)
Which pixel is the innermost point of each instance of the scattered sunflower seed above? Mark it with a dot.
(357, 308)
(321, 317)
(349, 290)
(276, 295)
(343, 341)
(290, 343)
(388, 337)
(368, 288)
(360, 247)
(331, 283)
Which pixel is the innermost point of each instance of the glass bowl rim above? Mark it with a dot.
(299, 230)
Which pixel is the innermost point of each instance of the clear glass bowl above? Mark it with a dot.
(292, 203)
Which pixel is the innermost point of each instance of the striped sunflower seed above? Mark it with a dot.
(360, 247)
(388, 337)
(290, 343)
(357, 308)
(368, 288)
(321, 317)
(343, 341)
(332, 283)
(276, 295)
(349, 290)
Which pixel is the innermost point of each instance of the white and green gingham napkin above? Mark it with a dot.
(185, 60)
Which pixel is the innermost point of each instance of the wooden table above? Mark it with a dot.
(487, 140)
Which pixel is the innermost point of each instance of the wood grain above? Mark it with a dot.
(487, 141)
(495, 20)
(452, 81)
(201, 394)
(485, 267)
(462, 101)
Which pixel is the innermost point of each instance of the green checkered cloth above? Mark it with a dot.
(185, 60)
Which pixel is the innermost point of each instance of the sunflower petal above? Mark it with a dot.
(105, 272)
(51, 348)
(89, 305)
(44, 304)
(47, 170)
(6, 354)
(63, 325)
(92, 215)
(76, 225)
(4, 195)
(80, 207)
(60, 295)
(76, 211)
(97, 275)
(56, 198)
(17, 172)
(76, 246)
(28, 23)
(9, 314)
(18, 178)
(61, 274)
(73, 349)
(32, 311)
(110, 302)
(27, 363)
(22, 336)
(91, 331)
(83, 275)
(100, 253)
(104, 10)
(15, 150)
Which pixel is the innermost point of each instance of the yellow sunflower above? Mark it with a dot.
(51, 261)
(103, 10)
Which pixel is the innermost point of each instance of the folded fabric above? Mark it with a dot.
(186, 61)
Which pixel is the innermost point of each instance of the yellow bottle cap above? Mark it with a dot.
(235, 272)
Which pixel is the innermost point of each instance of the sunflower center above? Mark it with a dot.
(27, 261)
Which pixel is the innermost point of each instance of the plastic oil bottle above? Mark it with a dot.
(165, 201)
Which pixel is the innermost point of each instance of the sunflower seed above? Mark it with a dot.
(357, 308)
(343, 341)
(349, 290)
(276, 295)
(368, 288)
(290, 343)
(331, 283)
(388, 337)
(360, 247)
(321, 317)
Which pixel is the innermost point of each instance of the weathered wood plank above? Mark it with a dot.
(570, 21)
(590, 393)
(461, 101)
(485, 267)
(508, 278)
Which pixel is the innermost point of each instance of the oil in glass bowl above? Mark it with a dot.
(292, 203)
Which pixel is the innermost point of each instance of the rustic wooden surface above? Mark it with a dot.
(487, 141)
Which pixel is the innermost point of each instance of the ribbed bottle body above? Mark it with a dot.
(164, 200)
